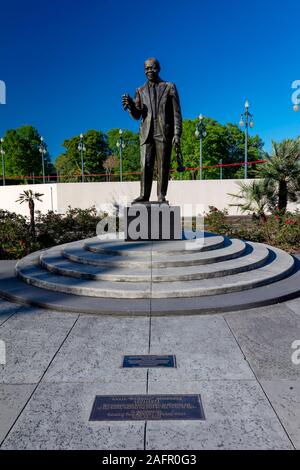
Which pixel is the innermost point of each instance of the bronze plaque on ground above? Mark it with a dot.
(147, 408)
(149, 361)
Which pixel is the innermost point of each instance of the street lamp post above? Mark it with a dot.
(221, 168)
(82, 149)
(200, 133)
(121, 146)
(43, 151)
(247, 121)
(3, 163)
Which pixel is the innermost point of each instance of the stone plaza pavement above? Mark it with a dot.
(239, 362)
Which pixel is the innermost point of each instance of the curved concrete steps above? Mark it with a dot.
(54, 262)
(278, 266)
(182, 277)
(231, 249)
(201, 244)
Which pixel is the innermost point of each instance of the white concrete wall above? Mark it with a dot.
(59, 196)
(9, 195)
(105, 195)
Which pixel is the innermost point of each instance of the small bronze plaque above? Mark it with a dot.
(149, 361)
(147, 408)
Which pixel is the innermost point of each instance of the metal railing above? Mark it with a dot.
(114, 177)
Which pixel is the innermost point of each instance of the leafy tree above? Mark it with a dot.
(66, 168)
(30, 197)
(223, 142)
(22, 156)
(283, 170)
(130, 153)
(110, 165)
(68, 163)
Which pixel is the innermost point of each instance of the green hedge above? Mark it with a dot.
(51, 229)
(281, 231)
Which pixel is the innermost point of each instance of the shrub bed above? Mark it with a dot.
(51, 229)
(281, 231)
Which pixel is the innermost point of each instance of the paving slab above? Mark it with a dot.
(57, 417)
(7, 309)
(284, 396)
(32, 338)
(204, 348)
(265, 336)
(12, 400)
(238, 416)
(294, 305)
(95, 348)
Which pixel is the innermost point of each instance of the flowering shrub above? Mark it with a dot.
(76, 224)
(280, 230)
(51, 228)
(14, 235)
(215, 221)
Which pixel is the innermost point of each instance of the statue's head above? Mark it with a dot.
(152, 69)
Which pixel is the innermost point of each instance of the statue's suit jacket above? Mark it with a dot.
(169, 119)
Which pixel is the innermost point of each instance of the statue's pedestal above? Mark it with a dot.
(152, 221)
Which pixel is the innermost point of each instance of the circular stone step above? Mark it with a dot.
(277, 266)
(15, 290)
(231, 249)
(203, 243)
(237, 275)
(53, 261)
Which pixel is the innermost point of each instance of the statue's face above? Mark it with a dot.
(151, 70)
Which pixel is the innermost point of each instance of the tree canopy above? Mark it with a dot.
(222, 142)
(96, 151)
(22, 155)
(130, 152)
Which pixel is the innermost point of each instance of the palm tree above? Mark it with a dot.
(255, 197)
(29, 196)
(282, 169)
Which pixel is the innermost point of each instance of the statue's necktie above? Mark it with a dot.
(154, 100)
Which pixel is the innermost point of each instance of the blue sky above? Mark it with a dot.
(66, 63)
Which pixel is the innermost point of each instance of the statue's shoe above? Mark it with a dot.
(140, 199)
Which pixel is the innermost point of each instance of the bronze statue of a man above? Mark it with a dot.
(157, 104)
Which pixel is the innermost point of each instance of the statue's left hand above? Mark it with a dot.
(176, 141)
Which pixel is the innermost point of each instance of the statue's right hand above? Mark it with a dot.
(126, 101)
